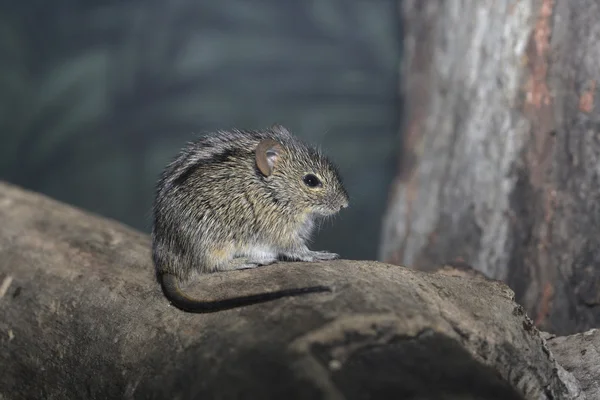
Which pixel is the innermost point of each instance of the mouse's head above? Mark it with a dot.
(300, 176)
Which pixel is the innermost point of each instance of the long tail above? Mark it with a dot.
(171, 289)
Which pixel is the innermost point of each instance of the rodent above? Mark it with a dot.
(240, 199)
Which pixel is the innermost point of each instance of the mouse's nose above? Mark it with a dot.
(344, 205)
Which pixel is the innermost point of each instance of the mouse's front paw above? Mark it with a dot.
(325, 255)
(310, 256)
(319, 256)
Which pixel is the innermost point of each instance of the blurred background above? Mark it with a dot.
(96, 99)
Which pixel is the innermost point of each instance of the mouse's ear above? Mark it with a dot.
(280, 129)
(267, 153)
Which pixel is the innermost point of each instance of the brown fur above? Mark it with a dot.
(238, 199)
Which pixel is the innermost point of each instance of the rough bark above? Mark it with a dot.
(82, 317)
(580, 355)
(501, 147)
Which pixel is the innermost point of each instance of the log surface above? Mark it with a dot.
(580, 355)
(81, 317)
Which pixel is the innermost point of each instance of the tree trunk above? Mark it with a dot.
(81, 317)
(501, 150)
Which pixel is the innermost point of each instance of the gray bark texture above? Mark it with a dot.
(580, 355)
(500, 164)
(81, 317)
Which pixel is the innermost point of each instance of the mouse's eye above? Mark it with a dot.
(311, 181)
